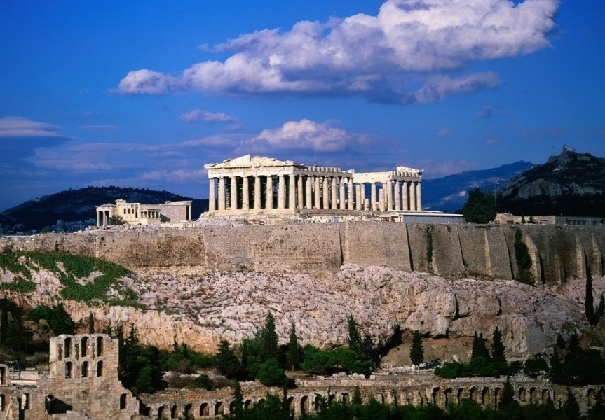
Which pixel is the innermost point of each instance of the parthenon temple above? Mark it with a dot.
(265, 186)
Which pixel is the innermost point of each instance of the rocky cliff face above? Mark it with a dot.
(570, 184)
(202, 309)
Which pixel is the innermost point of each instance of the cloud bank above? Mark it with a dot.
(24, 127)
(412, 51)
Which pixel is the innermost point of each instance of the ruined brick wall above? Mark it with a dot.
(558, 253)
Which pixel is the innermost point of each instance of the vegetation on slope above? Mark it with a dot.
(83, 278)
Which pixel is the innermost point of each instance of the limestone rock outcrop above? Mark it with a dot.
(202, 309)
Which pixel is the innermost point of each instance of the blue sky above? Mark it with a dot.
(143, 94)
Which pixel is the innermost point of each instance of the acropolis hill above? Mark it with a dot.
(222, 279)
(334, 250)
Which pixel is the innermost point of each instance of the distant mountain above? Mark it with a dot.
(449, 193)
(75, 205)
(570, 184)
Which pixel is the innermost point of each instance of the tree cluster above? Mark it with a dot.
(482, 363)
(577, 366)
(262, 358)
(480, 207)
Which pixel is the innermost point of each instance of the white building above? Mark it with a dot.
(250, 186)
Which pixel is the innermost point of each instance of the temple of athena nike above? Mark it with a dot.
(261, 186)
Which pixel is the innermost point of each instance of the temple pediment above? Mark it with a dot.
(248, 161)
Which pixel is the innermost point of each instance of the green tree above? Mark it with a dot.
(116, 220)
(416, 351)
(294, 351)
(237, 411)
(61, 322)
(591, 317)
(270, 374)
(354, 338)
(556, 368)
(270, 349)
(356, 400)
(480, 207)
(507, 400)
(523, 259)
(535, 366)
(498, 347)
(560, 341)
(91, 323)
(479, 348)
(571, 408)
(227, 362)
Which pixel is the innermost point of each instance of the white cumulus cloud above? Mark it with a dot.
(303, 134)
(408, 42)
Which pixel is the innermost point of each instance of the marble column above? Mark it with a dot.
(350, 194)
(418, 196)
(387, 200)
(404, 196)
(397, 195)
(245, 194)
(233, 190)
(269, 198)
(334, 200)
(373, 196)
(325, 194)
(342, 204)
(300, 193)
(221, 193)
(257, 193)
(362, 196)
(308, 192)
(212, 195)
(317, 204)
(292, 193)
(412, 196)
(281, 192)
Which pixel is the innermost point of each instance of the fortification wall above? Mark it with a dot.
(557, 253)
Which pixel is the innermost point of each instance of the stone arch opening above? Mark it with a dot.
(435, 400)
(84, 346)
(160, 412)
(496, 397)
(447, 397)
(187, 410)
(84, 369)
(247, 403)
(545, 395)
(219, 408)
(344, 397)
(204, 410)
(317, 402)
(2, 402)
(522, 394)
(304, 404)
(123, 401)
(67, 347)
(533, 395)
(68, 370)
(472, 394)
(173, 412)
(459, 395)
(485, 397)
(99, 368)
(99, 346)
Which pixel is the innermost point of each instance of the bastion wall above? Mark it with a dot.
(557, 253)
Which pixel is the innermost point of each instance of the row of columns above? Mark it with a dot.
(311, 192)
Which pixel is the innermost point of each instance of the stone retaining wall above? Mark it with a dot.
(558, 253)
